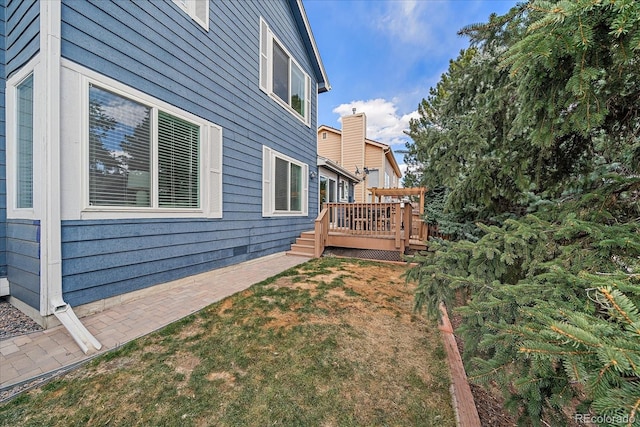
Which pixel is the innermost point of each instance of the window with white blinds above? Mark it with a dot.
(178, 162)
(24, 144)
(141, 156)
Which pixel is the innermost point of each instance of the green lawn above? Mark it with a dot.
(331, 342)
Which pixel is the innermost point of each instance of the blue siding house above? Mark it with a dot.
(145, 141)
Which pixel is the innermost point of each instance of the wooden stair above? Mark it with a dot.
(304, 245)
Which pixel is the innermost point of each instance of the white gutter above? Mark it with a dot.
(51, 301)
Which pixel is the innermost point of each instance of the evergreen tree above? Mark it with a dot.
(534, 133)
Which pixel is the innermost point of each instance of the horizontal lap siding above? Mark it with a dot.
(106, 258)
(149, 46)
(19, 239)
(331, 148)
(3, 145)
(22, 33)
(23, 258)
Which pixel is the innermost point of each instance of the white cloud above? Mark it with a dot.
(384, 124)
(402, 20)
(125, 112)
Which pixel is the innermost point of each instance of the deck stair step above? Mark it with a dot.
(310, 235)
(305, 242)
(304, 245)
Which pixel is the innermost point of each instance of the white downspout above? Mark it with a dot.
(50, 224)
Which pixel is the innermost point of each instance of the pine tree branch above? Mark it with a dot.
(573, 337)
(615, 305)
(540, 351)
(629, 275)
(634, 410)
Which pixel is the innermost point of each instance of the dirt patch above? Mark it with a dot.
(184, 363)
(227, 378)
(225, 306)
(197, 328)
(154, 349)
(287, 282)
(280, 319)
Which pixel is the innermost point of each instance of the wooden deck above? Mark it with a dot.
(377, 226)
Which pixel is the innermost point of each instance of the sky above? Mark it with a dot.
(382, 56)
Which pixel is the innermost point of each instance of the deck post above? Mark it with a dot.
(398, 224)
(321, 232)
(407, 223)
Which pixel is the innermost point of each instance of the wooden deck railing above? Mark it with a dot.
(321, 232)
(418, 227)
(362, 222)
(383, 226)
(422, 231)
(366, 219)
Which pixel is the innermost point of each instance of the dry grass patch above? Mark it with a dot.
(332, 342)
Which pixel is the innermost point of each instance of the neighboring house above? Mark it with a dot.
(336, 183)
(371, 161)
(148, 141)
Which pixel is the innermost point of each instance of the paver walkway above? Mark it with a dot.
(26, 357)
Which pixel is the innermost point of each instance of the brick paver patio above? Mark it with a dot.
(25, 357)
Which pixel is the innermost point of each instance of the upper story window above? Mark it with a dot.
(196, 9)
(282, 77)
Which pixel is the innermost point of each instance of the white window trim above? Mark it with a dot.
(32, 67)
(337, 182)
(268, 179)
(266, 76)
(211, 147)
(343, 190)
(189, 7)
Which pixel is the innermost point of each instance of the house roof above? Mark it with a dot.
(334, 167)
(388, 151)
(310, 43)
(329, 128)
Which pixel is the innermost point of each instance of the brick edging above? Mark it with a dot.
(463, 403)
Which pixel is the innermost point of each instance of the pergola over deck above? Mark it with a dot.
(399, 193)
